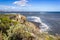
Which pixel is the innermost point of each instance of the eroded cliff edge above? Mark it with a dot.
(16, 27)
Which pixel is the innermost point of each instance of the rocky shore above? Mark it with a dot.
(16, 27)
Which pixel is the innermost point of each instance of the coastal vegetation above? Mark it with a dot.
(16, 27)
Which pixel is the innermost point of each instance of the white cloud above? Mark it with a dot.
(4, 7)
(9, 7)
(21, 3)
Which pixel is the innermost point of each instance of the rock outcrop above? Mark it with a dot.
(16, 27)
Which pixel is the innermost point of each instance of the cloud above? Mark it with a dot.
(22, 3)
(4, 7)
(9, 7)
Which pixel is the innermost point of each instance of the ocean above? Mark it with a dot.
(51, 19)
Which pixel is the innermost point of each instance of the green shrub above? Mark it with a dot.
(13, 30)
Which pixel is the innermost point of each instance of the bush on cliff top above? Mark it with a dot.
(14, 30)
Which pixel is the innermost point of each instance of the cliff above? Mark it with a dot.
(16, 27)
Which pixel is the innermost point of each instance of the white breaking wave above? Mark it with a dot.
(43, 27)
(34, 19)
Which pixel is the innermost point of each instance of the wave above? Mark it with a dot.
(43, 27)
(34, 19)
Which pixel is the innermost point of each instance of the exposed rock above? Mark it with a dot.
(19, 18)
(16, 27)
(1, 36)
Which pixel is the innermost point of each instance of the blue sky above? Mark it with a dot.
(30, 5)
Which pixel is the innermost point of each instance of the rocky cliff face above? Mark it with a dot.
(16, 27)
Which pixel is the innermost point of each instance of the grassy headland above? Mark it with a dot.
(16, 27)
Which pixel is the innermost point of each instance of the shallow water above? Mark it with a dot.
(53, 21)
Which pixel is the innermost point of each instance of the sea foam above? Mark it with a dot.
(43, 27)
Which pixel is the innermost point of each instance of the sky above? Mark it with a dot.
(30, 5)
